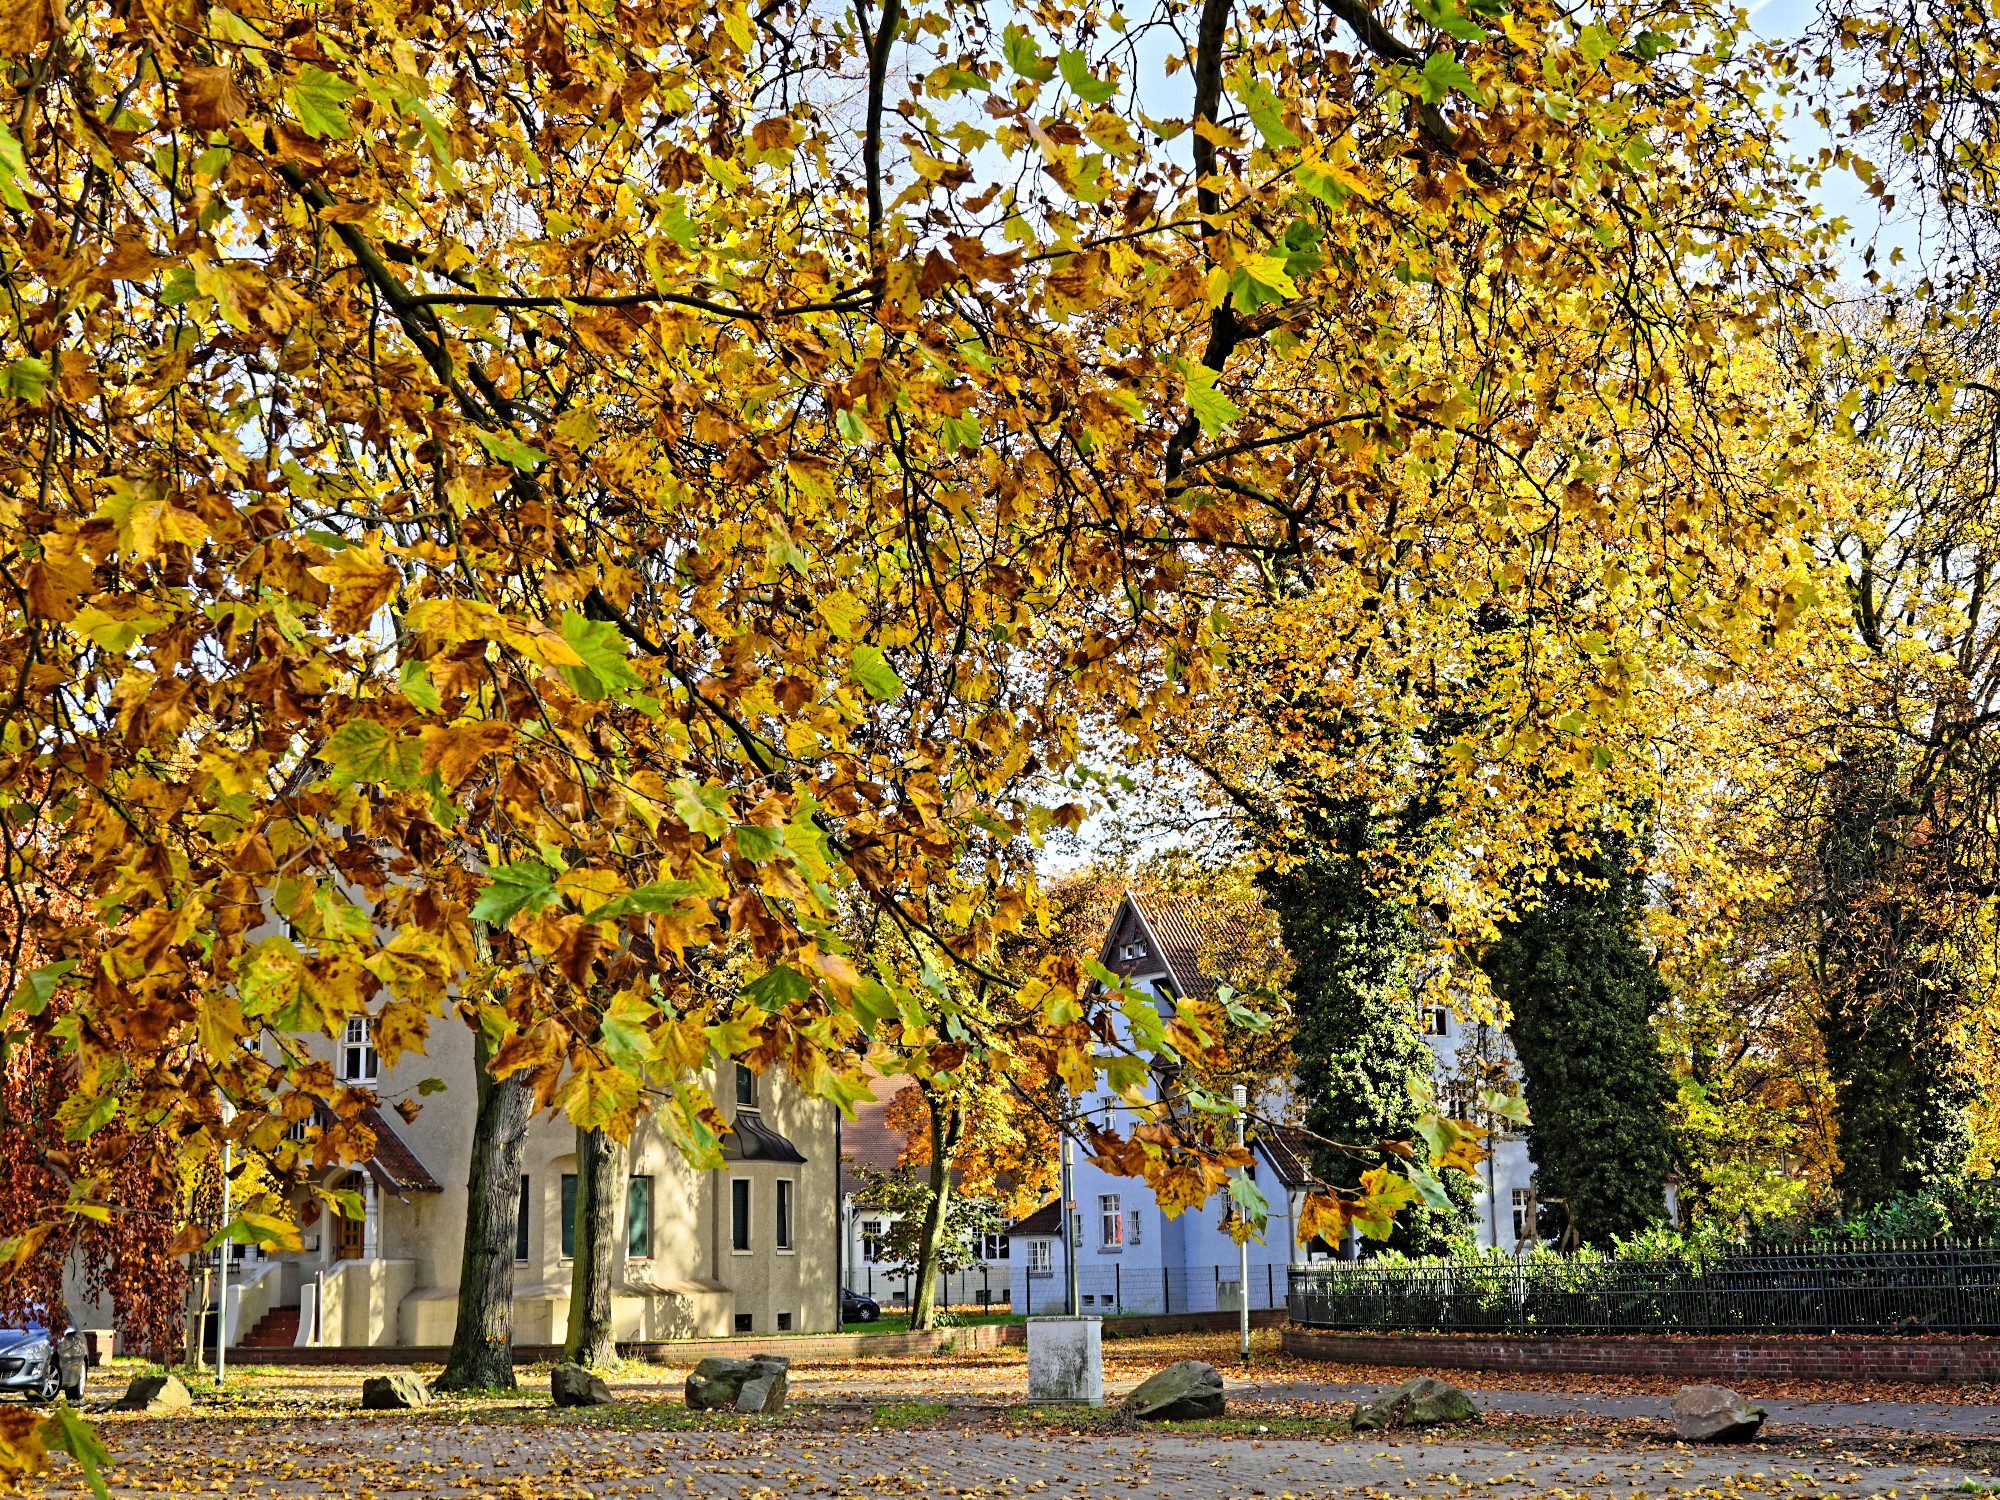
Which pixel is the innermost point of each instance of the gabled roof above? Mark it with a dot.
(1045, 1220)
(1174, 941)
(1289, 1153)
(394, 1165)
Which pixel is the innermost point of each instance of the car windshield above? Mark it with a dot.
(31, 1331)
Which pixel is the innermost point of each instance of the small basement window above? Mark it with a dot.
(743, 1324)
(784, 1322)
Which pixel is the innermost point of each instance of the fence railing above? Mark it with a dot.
(1100, 1289)
(1902, 1287)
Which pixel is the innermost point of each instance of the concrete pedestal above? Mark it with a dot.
(1066, 1360)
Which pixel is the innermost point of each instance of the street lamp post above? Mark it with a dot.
(222, 1252)
(1069, 1221)
(1242, 1097)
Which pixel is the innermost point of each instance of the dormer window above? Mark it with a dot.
(357, 1052)
(1127, 952)
(1437, 1021)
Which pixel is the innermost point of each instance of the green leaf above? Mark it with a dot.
(1431, 1191)
(1595, 43)
(429, 1086)
(679, 227)
(1651, 44)
(506, 448)
(13, 167)
(26, 378)
(527, 886)
(1444, 73)
(869, 668)
(1024, 57)
(606, 671)
(1267, 112)
(38, 986)
(661, 895)
(1086, 85)
(1211, 407)
(850, 425)
(777, 988)
(757, 842)
(1250, 1198)
(319, 99)
(1448, 19)
(414, 678)
(66, 1432)
(362, 750)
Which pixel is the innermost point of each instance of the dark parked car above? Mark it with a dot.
(42, 1368)
(855, 1308)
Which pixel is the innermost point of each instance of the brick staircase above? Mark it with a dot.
(277, 1329)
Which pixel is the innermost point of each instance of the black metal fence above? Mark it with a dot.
(1100, 1288)
(1904, 1287)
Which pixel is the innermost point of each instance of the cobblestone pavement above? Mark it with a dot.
(372, 1458)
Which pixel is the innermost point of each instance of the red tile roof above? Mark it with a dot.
(1289, 1152)
(1192, 941)
(394, 1164)
(1045, 1220)
(868, 1138)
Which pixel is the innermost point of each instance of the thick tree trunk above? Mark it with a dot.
(600, 1219)
(946, 1128)
(482, 1347)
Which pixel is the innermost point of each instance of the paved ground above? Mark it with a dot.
(360, 1459)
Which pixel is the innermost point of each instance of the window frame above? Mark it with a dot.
(872, 1231)
(523, 1246)
(359, 1061)
(566, 1207)
(1041, 1258)
(746, 1088)
(784, 1208)
(1110, 1221)
(742, 1216)
(645, 1250)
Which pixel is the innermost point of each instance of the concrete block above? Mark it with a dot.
(1066, 1360)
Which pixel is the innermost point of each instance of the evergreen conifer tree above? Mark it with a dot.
(1581, 991)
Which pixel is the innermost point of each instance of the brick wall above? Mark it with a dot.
(1798, 1358)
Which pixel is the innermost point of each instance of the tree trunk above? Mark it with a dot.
(482, 1347)
(600, 1219)
(947, 1126)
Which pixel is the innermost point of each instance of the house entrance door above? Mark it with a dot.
(349, 1235)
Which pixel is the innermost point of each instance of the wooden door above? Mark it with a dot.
(349, 1235)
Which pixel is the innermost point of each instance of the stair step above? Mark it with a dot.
(278, 1329)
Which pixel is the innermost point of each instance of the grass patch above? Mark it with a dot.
(908, 1413)
(900, 1322)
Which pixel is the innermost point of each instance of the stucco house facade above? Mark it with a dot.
(747, 1248)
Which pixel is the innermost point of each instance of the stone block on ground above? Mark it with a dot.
(155, 1393)
(1423, 1402)
(399, 1390)
(573, 1385)
(1066, 1360)
(753, 1384)
(1183, 1392)
(1714, 1414)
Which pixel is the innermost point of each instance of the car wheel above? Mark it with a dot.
(75, 1392)
(50, 1388)
(870, 1314)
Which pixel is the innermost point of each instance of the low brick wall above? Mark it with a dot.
(799, 1346)
(1802, 1357)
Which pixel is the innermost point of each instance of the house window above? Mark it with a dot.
(1131, 951)
(569, 1216)
(1110, 1222)
(782, 1220)
(357, 1052)
(1041, 1257)
(784, 1322)
(1132, 1232)
(743, 1323)
(521, 1222)
(746, 1088)
(871, 1240)
(1437, 1020)
(990, 1246)
(638, 1218)
(739, 1215)
(1522, 1199)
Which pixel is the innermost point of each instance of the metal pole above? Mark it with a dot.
(222, 1281)
(1069, 1224)
(1242, 1097)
